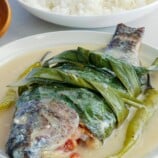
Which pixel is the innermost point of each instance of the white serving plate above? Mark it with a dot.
(49, 40)
(91, 21)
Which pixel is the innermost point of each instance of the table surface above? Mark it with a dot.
(24, 24)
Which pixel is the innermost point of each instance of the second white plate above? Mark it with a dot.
(91, 21)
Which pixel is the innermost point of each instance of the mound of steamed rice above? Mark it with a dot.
(87, 7)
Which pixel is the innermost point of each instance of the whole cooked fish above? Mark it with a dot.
(72, 96)
(45, 119)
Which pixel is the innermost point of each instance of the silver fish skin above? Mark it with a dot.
(125, 44)
(40, 126)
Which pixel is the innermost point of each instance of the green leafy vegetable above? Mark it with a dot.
(127, 74)
(79, 57)
(83, 56)
(104, 89)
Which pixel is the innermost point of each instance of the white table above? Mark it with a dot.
(24, 24)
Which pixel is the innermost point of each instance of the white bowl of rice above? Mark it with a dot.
(89, 13)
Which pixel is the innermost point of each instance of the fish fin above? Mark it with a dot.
(126, 38)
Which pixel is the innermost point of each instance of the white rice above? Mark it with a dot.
(87, 7)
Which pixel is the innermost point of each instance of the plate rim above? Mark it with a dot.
(44, 35)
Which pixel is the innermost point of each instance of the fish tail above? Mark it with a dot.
(126, 38)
